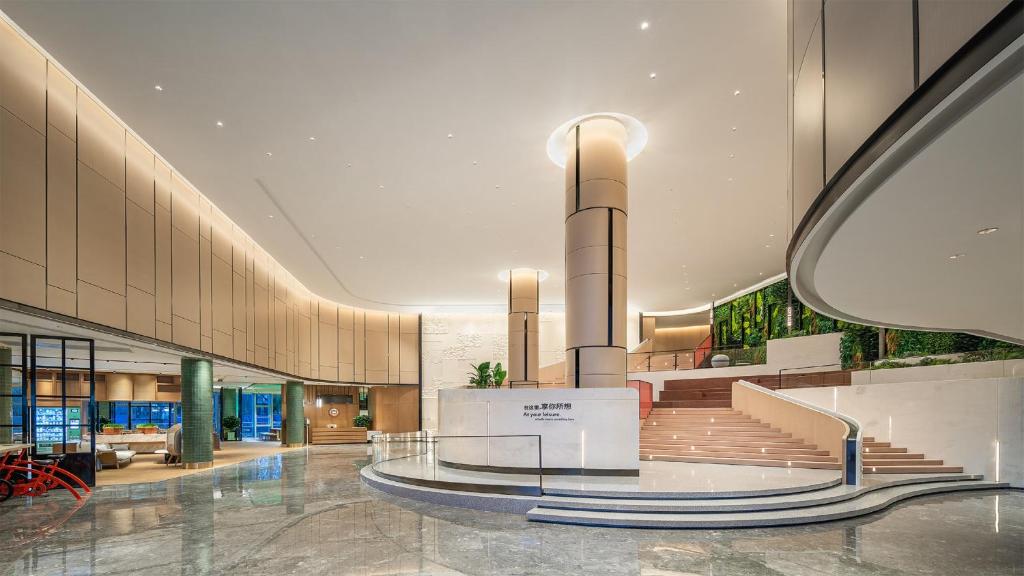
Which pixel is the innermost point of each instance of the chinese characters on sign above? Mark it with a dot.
(548, 412)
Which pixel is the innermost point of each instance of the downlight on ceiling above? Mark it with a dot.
(987, 231)
(636, 135)
(506, 275)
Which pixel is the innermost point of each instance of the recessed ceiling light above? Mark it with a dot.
(957, 256)
(362, 257)
(450, 135)
(760, 273)
(767, 245)
(736, 93)
(220, 123)
(732, 155)
(653, 75)
(474, 162)
(987, 231)
(771, 235)
(271, 216)
(312, 138)
(158, 88)
(733, 128)
(645, 25)
(497, 186)
(684, 265)
(269, 154)
(730, 178)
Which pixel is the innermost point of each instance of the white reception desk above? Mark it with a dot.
(593, 431)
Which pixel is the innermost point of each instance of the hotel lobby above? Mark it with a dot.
(684, 287)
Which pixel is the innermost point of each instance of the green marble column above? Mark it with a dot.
(6, 401)
(196, 412)
(295, 418)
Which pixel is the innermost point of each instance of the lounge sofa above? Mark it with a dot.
(111, 458)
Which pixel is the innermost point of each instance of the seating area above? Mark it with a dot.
(112, 457)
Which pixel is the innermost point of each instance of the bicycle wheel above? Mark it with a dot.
(6, 489)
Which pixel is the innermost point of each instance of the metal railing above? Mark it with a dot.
(659, 361)
(511, 464)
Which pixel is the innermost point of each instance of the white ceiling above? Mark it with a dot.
(383, 208)
(889, 260)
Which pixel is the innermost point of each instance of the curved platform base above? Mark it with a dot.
(821, 505)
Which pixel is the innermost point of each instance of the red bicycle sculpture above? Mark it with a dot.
(20, 476)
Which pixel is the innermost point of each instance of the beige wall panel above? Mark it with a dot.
(205, 342)
(238, 303)
(143, 387)
(314, 339)
(409, 358)
(205, 289)
(346, 345)
(239, 346)
(140, 250)
(238, 250)
(120, 387)
(221, 243)
(946, 25)
(394, 357)
(101, 232)
(359, 345)
(139, 175)
(22, 79)
(161, 184)
(100, 141)
(101, 306)
(376, 357)
(185, 276)
(141, 310)
(222, 294)
(261, 308)
(280, 332)
(869, 71)
(22, 281)
(223, 344)
(410, 323)
(184, 207)
(808, 120)
(262, 356)
(61, 301)
(250, 308)
(61, 108)
(185, 332)
(22, 190)
(304, 340)
(162, 245)
(61, 212)
(205, 217)
(163, 331)
(590, 329)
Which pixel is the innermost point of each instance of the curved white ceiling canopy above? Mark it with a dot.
(636, 135)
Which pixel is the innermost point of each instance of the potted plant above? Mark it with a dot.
(363, 421)
(148, 428)
(481, 376)
(498, 375)
(230, 425)
(113, 428)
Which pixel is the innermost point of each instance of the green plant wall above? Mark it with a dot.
(752, 319)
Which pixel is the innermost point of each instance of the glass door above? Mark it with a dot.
(264, 414)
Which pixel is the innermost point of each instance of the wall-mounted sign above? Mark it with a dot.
(549, 412)
(333, 412)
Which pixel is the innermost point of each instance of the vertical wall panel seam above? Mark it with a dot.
(915, 16)
(46, 188)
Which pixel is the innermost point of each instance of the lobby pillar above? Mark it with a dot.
(295, 417)
(196, 412)
(6, 400)
(596, 195)
(523, 343)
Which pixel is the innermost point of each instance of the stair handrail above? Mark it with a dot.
(852, 438)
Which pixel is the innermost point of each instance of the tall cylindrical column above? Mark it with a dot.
(196, 412)
(596, 194)
(295, 417)
(523, 345)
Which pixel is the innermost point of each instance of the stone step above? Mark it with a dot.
(694, 395)
(732, 435)
(693, 403)
(697, 412)
(888, 450)
(731, 448)
(913, 469)
(868, 439)
(877, 445)
(901, 462)
(891, 455)
(746, 461)
(703, 418)
(709, 427)
(786, 443)
(785, 456)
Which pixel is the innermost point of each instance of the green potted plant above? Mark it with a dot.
(363, 421)
(481, 375)
(498, 375)
(113, 428)
(148, 428)
(230, 425)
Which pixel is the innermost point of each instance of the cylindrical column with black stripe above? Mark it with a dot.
(523, 345)
(596, 193)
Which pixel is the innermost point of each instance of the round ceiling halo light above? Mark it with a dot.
(506, 275)
(636, 135)
(645, 25)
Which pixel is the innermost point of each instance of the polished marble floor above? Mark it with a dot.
(307, 513)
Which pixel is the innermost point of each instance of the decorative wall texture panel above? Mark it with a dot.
(94, 225)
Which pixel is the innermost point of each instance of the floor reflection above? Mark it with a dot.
(307, 513)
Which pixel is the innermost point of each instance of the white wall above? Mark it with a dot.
(818, 353)
(994, 369)
(451, 342)
(964, 422)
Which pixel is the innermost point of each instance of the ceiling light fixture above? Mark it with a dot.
(654, 75)
(312, 138)
(767, 245)
(271, 216)
(636, 135)
(987, 231)
(269, 154)
(645, 25)
(505, 275)
(158, 88)
(736, 93)
(957, 256)
(362, 257)
(733, 128)
(220, 124)
(450, 135)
